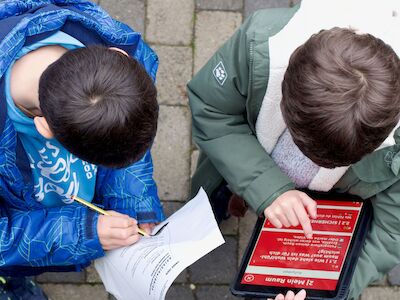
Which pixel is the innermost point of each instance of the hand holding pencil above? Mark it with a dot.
(114, 229)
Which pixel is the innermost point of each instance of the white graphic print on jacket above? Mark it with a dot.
(59, 175)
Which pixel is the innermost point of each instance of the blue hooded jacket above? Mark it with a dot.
(34, 238)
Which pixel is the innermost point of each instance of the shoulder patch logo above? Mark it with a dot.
(219, 73)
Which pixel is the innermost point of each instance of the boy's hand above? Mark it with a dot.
(117, 230)
(147, 227)
(289, 209)
(291, 296)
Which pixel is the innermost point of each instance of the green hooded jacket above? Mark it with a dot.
(225, 111)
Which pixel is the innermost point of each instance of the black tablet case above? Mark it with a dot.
(350, 262)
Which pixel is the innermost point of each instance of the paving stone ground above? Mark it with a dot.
(185, 33)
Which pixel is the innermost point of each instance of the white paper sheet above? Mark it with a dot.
(147, 269)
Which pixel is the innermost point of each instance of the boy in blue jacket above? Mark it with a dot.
(78, 116)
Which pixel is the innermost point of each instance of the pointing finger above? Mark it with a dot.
(303, 219)
(310, 204)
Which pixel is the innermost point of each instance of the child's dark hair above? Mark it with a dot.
(341, 96)
(100, 105)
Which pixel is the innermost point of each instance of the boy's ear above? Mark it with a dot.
(119, 50)
(43, 127)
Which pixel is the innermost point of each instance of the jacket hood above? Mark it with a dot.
(24, 22)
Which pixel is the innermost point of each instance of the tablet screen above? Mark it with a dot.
(286, 258)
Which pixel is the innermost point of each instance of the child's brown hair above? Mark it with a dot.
(341, 96)
(101, 105)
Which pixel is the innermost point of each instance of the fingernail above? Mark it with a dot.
(290, 293)
(309, 235)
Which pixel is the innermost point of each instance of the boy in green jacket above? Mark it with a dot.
(333, 128)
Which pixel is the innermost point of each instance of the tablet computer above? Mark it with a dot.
(278, 260)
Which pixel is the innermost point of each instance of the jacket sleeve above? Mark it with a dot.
(220, 126)
(58, 236)
(131, 191)
(381, 251)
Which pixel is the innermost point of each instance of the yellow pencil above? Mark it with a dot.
(99, 210)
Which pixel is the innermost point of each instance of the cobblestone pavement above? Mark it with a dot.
(185, 33)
